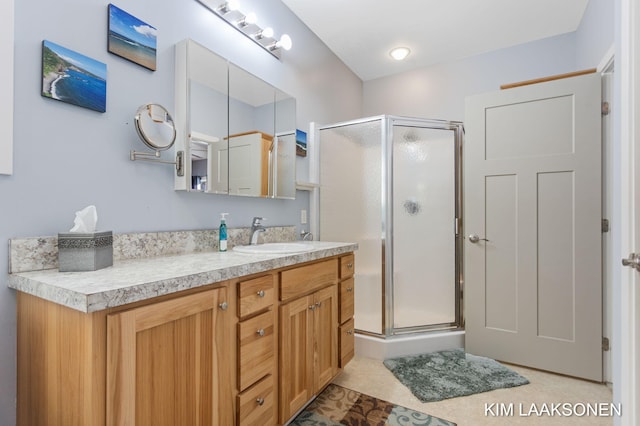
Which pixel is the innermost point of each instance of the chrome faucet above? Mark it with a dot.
(256, 228)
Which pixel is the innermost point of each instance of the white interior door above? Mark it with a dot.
(533, 278)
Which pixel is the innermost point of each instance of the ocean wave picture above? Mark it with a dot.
(70, 77)
(131, 38)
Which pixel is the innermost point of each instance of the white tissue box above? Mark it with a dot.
(78, 251)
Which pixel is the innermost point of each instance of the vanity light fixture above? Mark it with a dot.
(227, 7)
(399, 53)
(249, 19)
(264, 33)
(247, 24)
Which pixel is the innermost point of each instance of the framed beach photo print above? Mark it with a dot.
(301, 143)
(73, 78)
(131, 38)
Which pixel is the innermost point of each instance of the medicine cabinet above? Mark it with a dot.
(236, 130)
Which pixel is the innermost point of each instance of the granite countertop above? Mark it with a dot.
(130, 281)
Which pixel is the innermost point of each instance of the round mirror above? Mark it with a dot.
(155, 127)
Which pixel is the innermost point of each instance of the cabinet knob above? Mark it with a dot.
(350, 265)
(312, 307)
(349, 332)
(349, 289)
(318, 304)
(260, 401)
(260, 332)
(224, 306)
(261, 293)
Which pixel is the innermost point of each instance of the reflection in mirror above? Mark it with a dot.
(207, 119)
(155, 127)
(240, 130)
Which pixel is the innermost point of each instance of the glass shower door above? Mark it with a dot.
(424, 193)
(351, 208)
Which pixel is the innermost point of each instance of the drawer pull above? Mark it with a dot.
(260, 401)
(349, 289)
(224, 306)
(261, 293)
(260, 332)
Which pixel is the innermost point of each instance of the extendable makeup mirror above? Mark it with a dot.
(156, 129)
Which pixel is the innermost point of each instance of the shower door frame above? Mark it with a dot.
(387, 285)
(389, 122)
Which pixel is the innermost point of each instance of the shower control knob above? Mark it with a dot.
(474, 238)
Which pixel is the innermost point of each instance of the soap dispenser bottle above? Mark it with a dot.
(222, 234)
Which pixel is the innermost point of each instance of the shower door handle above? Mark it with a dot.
(474, 238)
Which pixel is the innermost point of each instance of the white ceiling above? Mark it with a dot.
(362, 32)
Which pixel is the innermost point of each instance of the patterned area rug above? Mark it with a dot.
(448, 374)
(337, 406)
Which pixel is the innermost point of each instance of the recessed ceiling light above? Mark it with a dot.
(399, 53)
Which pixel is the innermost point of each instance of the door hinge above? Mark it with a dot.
(605, 344)
(605, 108)
(605, 225)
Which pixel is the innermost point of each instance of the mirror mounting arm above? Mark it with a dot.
(145, 156)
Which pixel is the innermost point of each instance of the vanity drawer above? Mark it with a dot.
(256, 406)
(347, 342)
(347, 266)
(255, 295)
(347, 294)
(256, 349)
(306, 279)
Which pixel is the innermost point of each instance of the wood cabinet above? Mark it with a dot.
(250, 351)
(308, 333)
(167, 362)
(164, 361)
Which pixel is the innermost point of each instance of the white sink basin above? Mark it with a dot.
(274, 248)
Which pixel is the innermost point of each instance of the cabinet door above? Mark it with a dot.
(168, 363)
(325, 331)
(296, 355)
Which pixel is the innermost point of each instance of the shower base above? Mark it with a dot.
(407, 344)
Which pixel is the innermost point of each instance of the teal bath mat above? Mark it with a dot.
(448, 374)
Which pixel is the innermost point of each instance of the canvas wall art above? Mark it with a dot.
(131, 38)
(301, 143)
(70, 77)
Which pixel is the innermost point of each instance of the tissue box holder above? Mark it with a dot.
(79, 251)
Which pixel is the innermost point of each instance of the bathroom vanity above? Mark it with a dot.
(201, 338)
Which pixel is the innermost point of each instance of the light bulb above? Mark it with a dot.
(285, 42)
(251, 18)
(266, 33)
(233, 4)
(399, 53)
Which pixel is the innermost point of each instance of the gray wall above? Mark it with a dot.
(439, 91)
(68, 157)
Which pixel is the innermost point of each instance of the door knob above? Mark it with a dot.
(633, 261)
(474, 238)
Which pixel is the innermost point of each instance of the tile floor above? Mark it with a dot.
(372, 377)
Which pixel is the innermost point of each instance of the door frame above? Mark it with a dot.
(625, 369)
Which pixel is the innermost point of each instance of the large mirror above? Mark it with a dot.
(238, 132)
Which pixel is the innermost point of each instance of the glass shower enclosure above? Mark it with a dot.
(392, 184)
